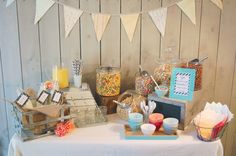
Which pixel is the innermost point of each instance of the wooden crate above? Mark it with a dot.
(33, 124)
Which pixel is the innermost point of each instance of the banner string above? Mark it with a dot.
(112, 14)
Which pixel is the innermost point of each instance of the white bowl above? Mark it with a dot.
(148, 129)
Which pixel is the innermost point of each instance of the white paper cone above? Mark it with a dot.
(42, 6)
(100, 22)
(218, 3)
(188, 7)
(129, 22)
(159, 17)
(71, 16)
(9, 2)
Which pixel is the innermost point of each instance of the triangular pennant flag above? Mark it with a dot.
(9, 2)
(42, 7)
(129, 22)
(218, 3)
(71, 16)
(159, 17)
(188, 7)
(100, 22)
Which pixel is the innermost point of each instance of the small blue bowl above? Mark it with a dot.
(135, 121)
(162, 91)
(135, 117)
(135, 126)
(170, 125)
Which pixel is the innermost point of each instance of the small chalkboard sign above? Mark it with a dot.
(57, 96)
(22, 99)
(43, 96)
(182, 83)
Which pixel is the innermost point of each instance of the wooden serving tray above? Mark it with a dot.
(138, 135)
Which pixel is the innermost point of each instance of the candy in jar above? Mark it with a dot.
(162, 73)
(198, 78)
(143, 83)
(108, 81)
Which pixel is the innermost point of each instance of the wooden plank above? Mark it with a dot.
(226, 56)
(130, 51)
(10, 53)
(29, 39)
(173, 25)
(4, 140)
(190, 34)
(110, 44)
(226, 60)
(151, 38)
(208, 47)
(70, 46)
(230, 145)
(90, 48)
(49, 41)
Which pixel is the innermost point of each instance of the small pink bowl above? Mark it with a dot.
(156, 119)
(158, 124)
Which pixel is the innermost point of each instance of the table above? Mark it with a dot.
(105, 140)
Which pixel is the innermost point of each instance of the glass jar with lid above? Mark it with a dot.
(143, 83)
(162, 72)
(108, 81)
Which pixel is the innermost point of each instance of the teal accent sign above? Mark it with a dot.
(182, 83)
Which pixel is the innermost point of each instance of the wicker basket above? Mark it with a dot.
(210, 134)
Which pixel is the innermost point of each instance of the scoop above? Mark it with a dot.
(145, 73)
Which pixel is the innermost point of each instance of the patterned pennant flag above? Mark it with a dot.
(188, 7)
(129, 22)
(42, 7)
(71, 16)
(100, 22)
(159, 17)
(218, 3)
(9, 2)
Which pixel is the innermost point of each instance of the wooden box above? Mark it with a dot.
(182, 110)
(33, 124)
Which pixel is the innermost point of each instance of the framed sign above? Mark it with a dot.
(43, 96)
(57, 96)
(182, 83)
(22, 99)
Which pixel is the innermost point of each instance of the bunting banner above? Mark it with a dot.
(100, 22)
(129, 22)
(159, 17)
(218, 3)
(71, 16)
(42, 7)
(188, 7)
(9, 2)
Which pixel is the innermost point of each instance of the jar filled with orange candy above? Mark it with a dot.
(198, 66)
(108, 80)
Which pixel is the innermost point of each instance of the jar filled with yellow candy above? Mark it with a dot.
(108, 80)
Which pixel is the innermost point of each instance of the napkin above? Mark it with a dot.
(212, 119)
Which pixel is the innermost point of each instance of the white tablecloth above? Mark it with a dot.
(105, 140)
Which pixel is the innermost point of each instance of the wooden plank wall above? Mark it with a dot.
(28, 51)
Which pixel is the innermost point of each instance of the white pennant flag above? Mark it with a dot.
(71, 16)
(9, 2)
(159, 17)
(218, 3)
(42, 7)
(129, 22)
(188, 7)
(100, 22)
